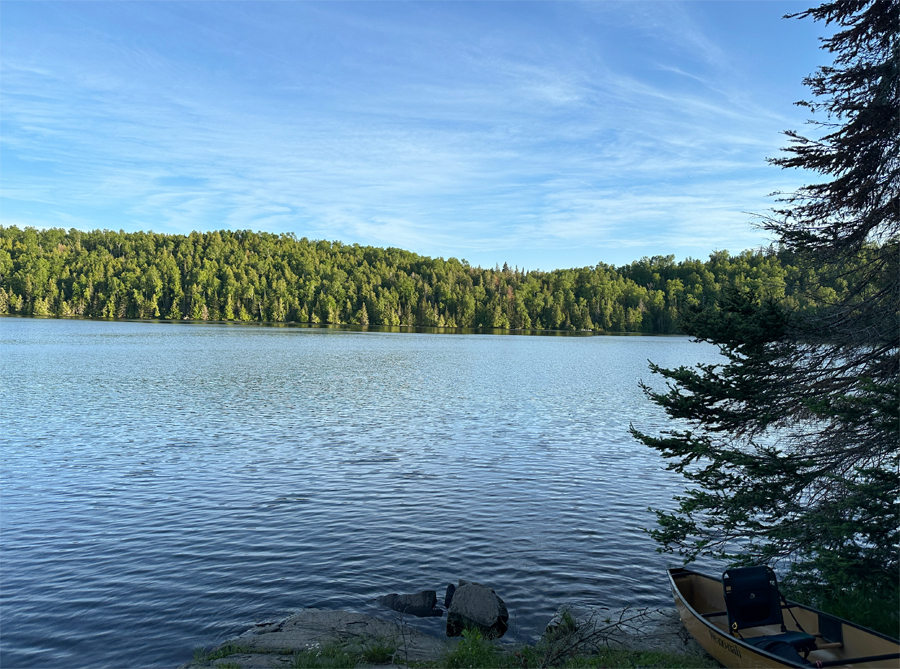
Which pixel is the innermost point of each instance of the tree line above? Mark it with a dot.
(255, 276)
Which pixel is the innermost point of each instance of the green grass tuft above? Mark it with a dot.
(202, 656)
(379, 650)
(199, 654)
(474, 651)
(329, 656)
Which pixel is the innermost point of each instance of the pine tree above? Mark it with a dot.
(791, 446)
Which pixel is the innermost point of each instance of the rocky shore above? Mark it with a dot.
(371, 641)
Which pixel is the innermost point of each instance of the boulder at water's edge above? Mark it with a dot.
(475, 606)
(421, 604)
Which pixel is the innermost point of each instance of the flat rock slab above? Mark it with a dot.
(271, 645)
(641, 629)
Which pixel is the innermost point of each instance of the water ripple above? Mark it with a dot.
(164, 486)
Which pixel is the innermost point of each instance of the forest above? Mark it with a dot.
(255, 276)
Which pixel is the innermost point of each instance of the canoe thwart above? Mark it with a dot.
(859, 660)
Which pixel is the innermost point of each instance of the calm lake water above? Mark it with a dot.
(166, 485)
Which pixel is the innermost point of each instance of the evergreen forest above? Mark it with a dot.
(249, 276)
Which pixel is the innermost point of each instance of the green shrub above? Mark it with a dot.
(473, 651)
(875, 609)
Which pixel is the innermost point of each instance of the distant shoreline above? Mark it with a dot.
(409, 329)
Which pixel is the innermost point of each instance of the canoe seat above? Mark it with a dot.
(778, 645)
(753, 600)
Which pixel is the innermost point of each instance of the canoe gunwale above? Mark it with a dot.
(778, 661)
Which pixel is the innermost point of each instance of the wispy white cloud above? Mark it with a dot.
(506, 147)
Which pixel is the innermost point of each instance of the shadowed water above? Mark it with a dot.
(166, 485)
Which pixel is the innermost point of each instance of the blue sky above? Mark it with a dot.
(544, 135)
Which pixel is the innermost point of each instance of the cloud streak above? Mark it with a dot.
(540, 156)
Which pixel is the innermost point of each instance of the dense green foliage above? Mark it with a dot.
(792, 447)
(251, 276)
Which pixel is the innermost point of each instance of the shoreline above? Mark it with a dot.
(315, 637)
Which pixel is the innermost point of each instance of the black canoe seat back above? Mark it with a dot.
(752, 599)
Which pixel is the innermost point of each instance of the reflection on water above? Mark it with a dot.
(165, 485)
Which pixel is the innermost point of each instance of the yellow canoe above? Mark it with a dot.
(700, 601)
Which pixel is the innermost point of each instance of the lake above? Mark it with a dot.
(166, 485)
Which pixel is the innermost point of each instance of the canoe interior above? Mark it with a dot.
(697, 594)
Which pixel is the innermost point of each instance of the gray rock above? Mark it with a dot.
(475, 606)
(642, 629)
(271, 645)
(421, 604)
(448, 597)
